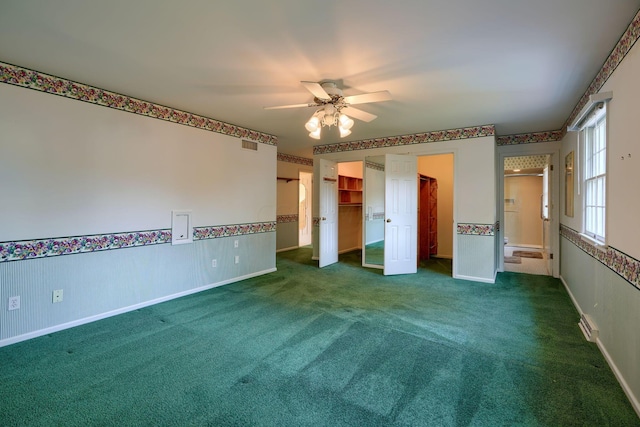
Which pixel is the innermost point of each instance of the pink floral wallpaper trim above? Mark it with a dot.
(374, 166)
(294, 159)
(42, 248)
(418, 138)
(622, 264)
(24, 77)
(530, 138)
(477, 229)
(616, 56)
(622, 48)
(287, 218)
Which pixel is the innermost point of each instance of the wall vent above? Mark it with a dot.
(249, 145)
(588, 328)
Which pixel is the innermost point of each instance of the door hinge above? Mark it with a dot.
(550, 256)
(551, 167)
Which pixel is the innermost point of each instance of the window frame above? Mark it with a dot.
(593, 179)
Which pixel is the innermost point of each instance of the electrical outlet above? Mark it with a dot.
(214, 263)
(14, 303)
(237, 260)
(235, 243)
(57, 295)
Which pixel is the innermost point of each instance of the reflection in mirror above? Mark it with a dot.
(374, 211)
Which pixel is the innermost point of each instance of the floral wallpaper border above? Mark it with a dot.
(43, 248)
(282, 219)
(622, 48)
(24, 77)
(374, 166)
(418, 138)
(478, 229)
(622, 264)
(289, 158)
(530, 138)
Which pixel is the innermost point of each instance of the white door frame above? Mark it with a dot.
(537, 149)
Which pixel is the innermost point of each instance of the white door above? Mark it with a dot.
(545, 214)
(328, 208)
(401, 222)
(304, 209)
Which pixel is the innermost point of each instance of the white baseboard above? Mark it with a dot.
(524, 245)
(63, 326)
(474, 279)
(287, 249)
(623, 383)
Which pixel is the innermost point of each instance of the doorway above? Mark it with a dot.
(304, 208)
(527, 210)
(436, 232)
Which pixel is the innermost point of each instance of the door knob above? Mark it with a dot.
(324, 218)
(388, 219)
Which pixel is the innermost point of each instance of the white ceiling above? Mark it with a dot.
(519, 64)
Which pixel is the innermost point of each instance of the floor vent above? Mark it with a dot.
(588, 328)
(249, 145)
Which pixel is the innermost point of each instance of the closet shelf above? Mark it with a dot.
(287, 179)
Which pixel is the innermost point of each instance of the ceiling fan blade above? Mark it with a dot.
(317, 90)
(383, 95)
(358, 114)
(279, 107)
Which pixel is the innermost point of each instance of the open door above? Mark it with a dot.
(328, 208)
(545, 214)
(401, 223)
(305, 221)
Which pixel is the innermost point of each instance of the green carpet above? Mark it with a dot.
(339, 346)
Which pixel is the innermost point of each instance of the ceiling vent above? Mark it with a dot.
(249, 145)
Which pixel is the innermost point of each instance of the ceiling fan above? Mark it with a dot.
(334, 107)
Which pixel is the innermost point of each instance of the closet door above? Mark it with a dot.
(401, 210)
(328, 243)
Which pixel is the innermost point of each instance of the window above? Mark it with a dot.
(595, 174)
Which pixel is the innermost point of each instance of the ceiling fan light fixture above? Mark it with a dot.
(315, 134)
(313, 124)
(345, 122)
(329, 97)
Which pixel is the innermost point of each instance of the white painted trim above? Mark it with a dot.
(543, 148)
(290, 248)
(63, 326)
(635, 403)
(632, 398)
(475, 279)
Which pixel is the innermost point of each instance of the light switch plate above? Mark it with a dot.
(57, 295)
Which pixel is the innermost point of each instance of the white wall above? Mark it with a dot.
(522, 221)
(474, 196)
(70, 168)
(598, 289)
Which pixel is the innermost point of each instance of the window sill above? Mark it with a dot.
(601, 246)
